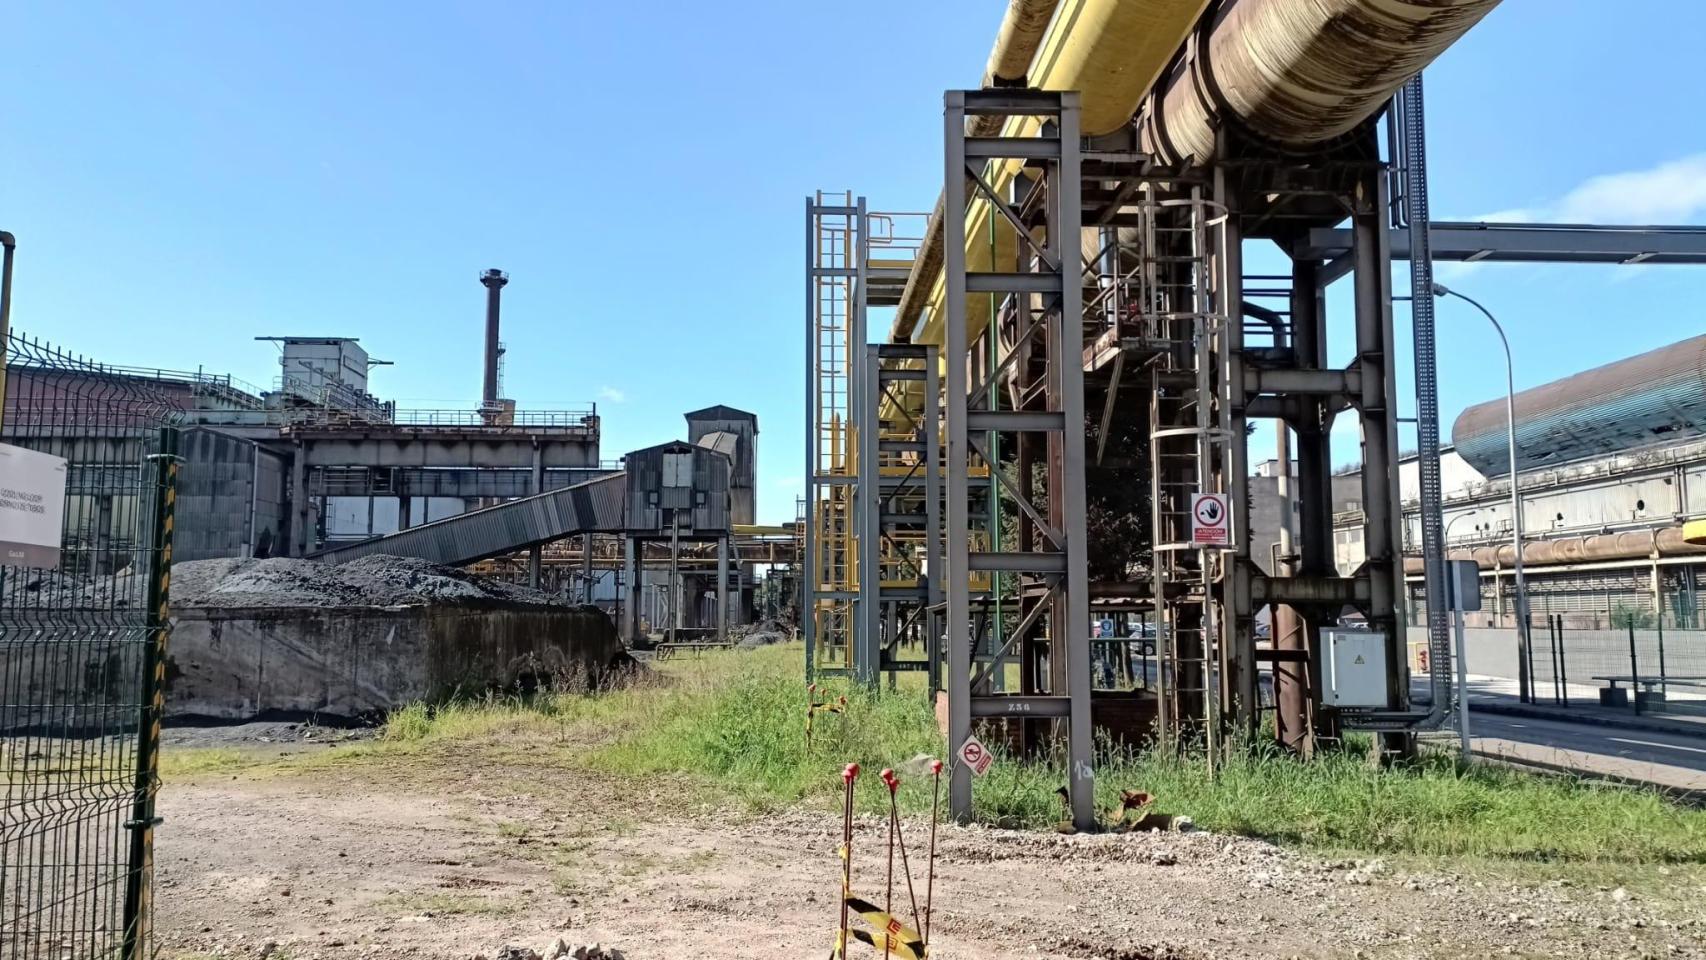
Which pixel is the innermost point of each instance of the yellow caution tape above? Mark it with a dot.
(901, 950)
(899, 939)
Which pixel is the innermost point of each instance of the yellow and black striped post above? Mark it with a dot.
(152, 700)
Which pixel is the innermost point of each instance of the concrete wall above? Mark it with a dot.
(235, 664)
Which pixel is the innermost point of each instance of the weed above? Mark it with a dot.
(732, 725)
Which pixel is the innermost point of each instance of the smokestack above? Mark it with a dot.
(493, 280)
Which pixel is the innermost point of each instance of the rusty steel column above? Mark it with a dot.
(1382, 563)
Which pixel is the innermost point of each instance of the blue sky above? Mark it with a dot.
(187, 177)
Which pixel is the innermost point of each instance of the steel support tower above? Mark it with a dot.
(1046, 289)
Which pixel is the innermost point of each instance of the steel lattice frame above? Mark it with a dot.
(1049, 296)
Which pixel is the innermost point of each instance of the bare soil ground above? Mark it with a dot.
(442, 856)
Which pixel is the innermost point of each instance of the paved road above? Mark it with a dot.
(1673, 760)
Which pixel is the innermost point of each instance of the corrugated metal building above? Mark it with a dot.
(1655, 398)
(719, 426)
(682, 480)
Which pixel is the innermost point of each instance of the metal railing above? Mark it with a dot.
(586, 417)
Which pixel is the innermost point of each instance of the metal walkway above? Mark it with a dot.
(595, 506)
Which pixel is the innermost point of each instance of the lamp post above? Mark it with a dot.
(1447, 535)
(1441, 290)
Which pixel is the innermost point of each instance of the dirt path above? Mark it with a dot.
(369, 861)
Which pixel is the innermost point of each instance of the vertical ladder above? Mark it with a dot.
(1188, 440)
(835, 309)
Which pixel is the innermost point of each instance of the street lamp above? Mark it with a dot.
(1441, 290)
(1447, 535)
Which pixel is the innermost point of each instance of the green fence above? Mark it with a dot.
(82, 666)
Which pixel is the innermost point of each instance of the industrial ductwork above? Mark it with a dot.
(1298, 73)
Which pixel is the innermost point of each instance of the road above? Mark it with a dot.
(1673, 760)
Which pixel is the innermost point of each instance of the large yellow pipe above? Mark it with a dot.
(1111, 51)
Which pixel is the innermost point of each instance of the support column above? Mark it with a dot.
(586, 568)
(1375, 357)
(299, 508)
(631, 550)
(1238, 631)
(722, 588)
(535, 554)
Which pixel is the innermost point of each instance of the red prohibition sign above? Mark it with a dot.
(1209, 512)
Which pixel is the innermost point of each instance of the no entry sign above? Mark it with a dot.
(976, 756)
(1210, 520)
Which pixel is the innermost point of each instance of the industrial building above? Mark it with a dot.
(1611, 464)
(1050, 440)
(319, 466)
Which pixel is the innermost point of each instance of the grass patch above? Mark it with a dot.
(201, 761)
(732, 725)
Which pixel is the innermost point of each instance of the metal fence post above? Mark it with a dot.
(1664, 686)
(138, 887)
(1552, 641)
(1563, 664)
(1634, 670)
(1525, 667)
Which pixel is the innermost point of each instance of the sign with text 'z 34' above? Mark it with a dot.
(1211, 520)
(32, 507)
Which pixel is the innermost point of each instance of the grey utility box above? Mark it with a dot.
(1463, 585)
(1355, 664)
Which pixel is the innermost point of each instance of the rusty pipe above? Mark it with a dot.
(1588, 548)
(1298, 73)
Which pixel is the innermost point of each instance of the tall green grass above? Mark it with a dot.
(734, 724)
(744, 730)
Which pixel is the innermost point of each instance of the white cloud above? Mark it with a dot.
(1670, 193)
(1673, 192)
(611, 395)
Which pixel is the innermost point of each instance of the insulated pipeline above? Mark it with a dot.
(1300, 72)
(1111, 52)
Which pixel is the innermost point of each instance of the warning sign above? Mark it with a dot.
(976, 756)
(1210, 520)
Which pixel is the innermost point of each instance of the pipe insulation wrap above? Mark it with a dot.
(1021, 32)
(1588, 548)
(1301, 72)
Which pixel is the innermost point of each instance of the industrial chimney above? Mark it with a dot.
(493, 280)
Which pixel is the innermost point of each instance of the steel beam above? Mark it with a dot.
(1533, 243)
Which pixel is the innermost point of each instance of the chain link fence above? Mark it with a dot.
(82, 660)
